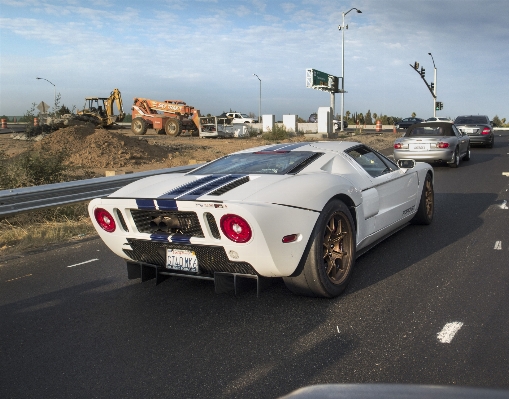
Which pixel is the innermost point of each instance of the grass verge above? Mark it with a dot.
(37, 229)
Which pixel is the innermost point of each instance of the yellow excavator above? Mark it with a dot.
(100, 109)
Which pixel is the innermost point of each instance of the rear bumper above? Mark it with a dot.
(486, 139)
(426, 156)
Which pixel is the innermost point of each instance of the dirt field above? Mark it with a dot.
(119, 150)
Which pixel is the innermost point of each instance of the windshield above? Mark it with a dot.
(426, 131)
(262, 162)
(244, 115)
(470, 120)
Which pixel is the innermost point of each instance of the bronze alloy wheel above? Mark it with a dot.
(337, 242)
(429, 198)
(330, 259)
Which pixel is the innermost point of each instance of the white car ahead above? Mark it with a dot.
(301, 211)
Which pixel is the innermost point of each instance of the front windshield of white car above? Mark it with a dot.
(262, 162)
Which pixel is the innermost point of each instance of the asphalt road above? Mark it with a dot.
(430, 305)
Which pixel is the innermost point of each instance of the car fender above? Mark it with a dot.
(308, 191)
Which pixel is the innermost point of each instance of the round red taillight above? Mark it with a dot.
(236, 228)
(105, 220)
(397, 145)
(485, 131)
(442, 145)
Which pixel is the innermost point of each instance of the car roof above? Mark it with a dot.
(313, 146)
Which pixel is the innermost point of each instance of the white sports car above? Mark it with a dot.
(300, 211)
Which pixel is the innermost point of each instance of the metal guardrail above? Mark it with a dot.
(51, 195)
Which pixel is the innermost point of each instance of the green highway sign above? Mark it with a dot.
(320, 78)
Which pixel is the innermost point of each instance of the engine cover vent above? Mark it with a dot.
(230, 186)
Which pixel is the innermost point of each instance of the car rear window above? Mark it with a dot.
(470, 120)
(262, 162)
(425, 131)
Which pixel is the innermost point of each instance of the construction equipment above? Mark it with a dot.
(215, 126)
(170, 116)
(100, 109)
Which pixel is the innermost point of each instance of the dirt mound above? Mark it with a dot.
(100, 148)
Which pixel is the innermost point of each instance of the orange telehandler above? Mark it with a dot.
(170, 116)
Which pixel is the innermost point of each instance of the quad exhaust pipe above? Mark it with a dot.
(165, 223)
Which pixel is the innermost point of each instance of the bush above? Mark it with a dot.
(278, 133)
(36, 168)
(253, 132)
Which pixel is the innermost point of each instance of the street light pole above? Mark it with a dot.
(260, 104)
(342, 28)
(54, 90)
(434, 87)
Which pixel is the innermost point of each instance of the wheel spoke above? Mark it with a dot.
(333, 253)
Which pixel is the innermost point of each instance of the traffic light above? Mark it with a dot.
(438, 105)
(441, 105)
(432, 86)
(423, 72)
(416, 65)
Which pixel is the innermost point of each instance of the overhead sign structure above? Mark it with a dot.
(319, 80)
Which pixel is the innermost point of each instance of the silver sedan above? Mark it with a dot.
(433, 142)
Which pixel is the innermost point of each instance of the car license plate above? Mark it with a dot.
(181, 259)
(418, 147)
(469, 130)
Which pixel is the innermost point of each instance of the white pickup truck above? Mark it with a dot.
(237, 117)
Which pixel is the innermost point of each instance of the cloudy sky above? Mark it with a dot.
(205, 52)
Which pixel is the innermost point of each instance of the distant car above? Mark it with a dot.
(478, 128)
(337, 124)
(237, 117)
(407, 122)
(439, 119)
(302, 211)
(433, 141)
(313, 118)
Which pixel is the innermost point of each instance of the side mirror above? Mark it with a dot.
(406, 163)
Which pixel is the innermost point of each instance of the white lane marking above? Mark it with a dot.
(449, 331)
(504, 205)
(498, 245)
(17, 278)
(505, 173)
(82, 263)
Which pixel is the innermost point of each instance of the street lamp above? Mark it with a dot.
(54, 89)
(342, 28)
(260, 104)
(435, 86)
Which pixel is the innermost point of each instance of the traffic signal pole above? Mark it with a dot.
(432, 87)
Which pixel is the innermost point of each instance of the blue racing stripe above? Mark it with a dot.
(159, 237)
(181, 239)
(167, 205)
(147, 204)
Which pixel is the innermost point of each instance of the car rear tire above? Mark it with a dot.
(331, 257)
(173, 127)
(456, 159)
(426, 208)
(467, 155)
(490, 144)
(139, 126)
